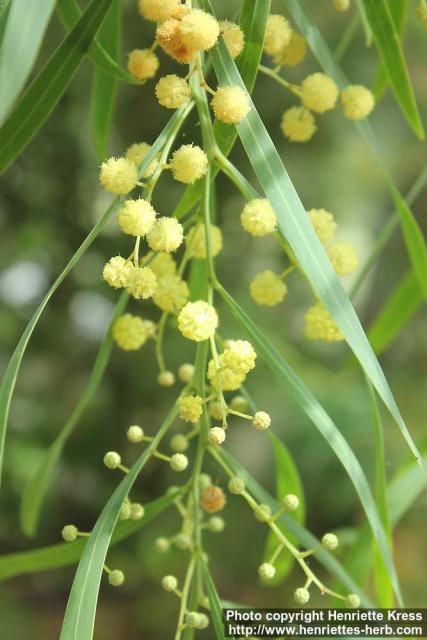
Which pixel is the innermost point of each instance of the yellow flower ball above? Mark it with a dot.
(323, 223)
(343, 257)
(239, 356)
(163, 265)
(166, 235)
(298, 124)
(172, 91)
(199, 30)
(319, 325)
(116, 272)
(357, 102)
(233, 36)
(137, 152)
(319, 92)
(230, 104)
(258, 217)
(341, 5)
(171, 294)
(224, 378)
(293, 53)
(129, 332)
(169, 37)
(143, 64)
(196, 241)
(118, 175)
(261, 420)
(198, 321)
(157, 10)
(277, 34)
(190, 408)
(136, 217)
(189, 163)
(141, 282)
(267, 289)
(166, 379)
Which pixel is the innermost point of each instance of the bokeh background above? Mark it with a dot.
(50, 198)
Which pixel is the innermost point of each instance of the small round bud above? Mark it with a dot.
(135, 434)
(118, 175)
(263, 512)
(216, 524)
(186, 372)
(205, 602)
(143, 64)
(172, 91)
(212, 499)
(112, 460)
(341, 5)
(169, 583)
(267, 288)
(162, 545)
(215, 410)
(203, 621)
(261, 420)
(192, 619)
(171, 490)
(179, 462)
(216, 435)
(298, 124)
(125, 511)
(166, 379)
(353, 601)
(179, 443)
(301, 595)
(266, 571)
(189, 163)
(290, 502)
(70, 533)
(137, 511)
(204, 481)
(230, 104)
(236, 485)
(319, 92)
(182, 541)
(116, 578)
(330, 541)
(239, 403)
(197, 321)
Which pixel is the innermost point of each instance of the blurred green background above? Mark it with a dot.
(50, 199)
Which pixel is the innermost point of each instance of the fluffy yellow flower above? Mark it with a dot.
(298, 124)
(319, 325)
(277, 34)
(239, 356)
(224, 377)
(357, 102)
(319, 92)
(171, 294)
(233, 36)
(258, 217)
(143, 64)
(230, 104)
(293, 53)
(141, 282)
(166, 235)
(199, 30)
(196, 241)
(163, 265)
(267, 289)
(189, 163)
(136, 217)
(129, 332)
(172, 91)
(323, 223)
(116, 271)
(169, 37)
(137, 152)
(157, 10)
(343, 257)
(341, 5)
(190, 408)
(197, 321)
(118, 175)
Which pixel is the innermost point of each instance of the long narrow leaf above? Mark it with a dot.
(414, 240)
(69, 553)
(398, 10)
(215, 603)
(79, 617)
(104, 86)
(388, 44)
(296, 228)
(25, 29)
(35, 491)
(34, 107)
(323, 422)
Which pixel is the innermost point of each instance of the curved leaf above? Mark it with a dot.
(79, 617)
(25, 28)
(214, 602)
(68, 553)
(35, 491)
(398, 10)
(34, 107)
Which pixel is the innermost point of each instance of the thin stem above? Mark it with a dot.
(184, 597)
(237, 178)
(293, 88)
(159, 341)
